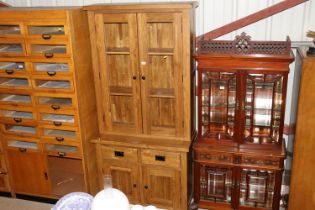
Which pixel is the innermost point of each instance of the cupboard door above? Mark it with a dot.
(28, 171)
(118, 55)
(263, 107)
(160, 48)
(125, 177)
(219, 106)
(161, 187)
(4, 179)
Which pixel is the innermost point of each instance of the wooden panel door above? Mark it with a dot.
(161, 187)
(125, 177)
(160, 47)
(28, 171)
(4, 181)
(116, 35)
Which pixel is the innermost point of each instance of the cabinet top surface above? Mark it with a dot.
(303, 52)
(140, 6)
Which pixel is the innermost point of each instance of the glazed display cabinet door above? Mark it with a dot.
(160, 49)
(118, 57)
(257, 189)
(264, 108)
(161, 187)
(218, 104)
(28, 172)
(125, 178)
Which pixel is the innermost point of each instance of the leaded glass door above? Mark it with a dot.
(218, 106)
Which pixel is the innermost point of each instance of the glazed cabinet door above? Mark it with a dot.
(125, 177)
(218, 113)
(263, 108)
(116, 36)
(28, 171)
(161, 187)
(160, 47)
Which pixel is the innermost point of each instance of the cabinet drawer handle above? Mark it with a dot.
(22, 149)
(46, 36)
(17, 119)
(9, 71)
(55, 107)
(60, 138)
(146, 187)
(61, 154)
(51, 73)
(49, 55)
(143, 77)
(3, 173)
(134, 185)
(160, 158)
(57, 123)
(119, 154)
(134, 77)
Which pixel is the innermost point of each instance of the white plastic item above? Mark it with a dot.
(137, 207)
(110, 199)
(150, 208)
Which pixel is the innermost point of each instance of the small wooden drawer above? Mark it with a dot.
(49, 51)
(55, 102)
(20, 130)
(12, 47)
(11, 29)
(261, 161)
(119, 153)
(60, 134)
(216, 157)
(14, 82)
(63, 150)
(52, 84)
(22, 145)
(156, 157)
(47, 31)
(58, 119)
(16, 97)
(18, 115)
(53, 68)
(12, 67)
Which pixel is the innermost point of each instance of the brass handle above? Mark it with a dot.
(134, 77)
(51, 73)
(3, 173)
(22, 149)
(46, 36)
(9, 71)
(57, 123)
(143, 77)
(61, 154)
(146, 187)
(17, 119)
(60, 138)
(49, 55)
(55, 107)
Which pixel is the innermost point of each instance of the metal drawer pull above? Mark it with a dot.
(61, 154)
(46, 36)
(119, 154)
(56, 123)
(60, 138)
(51, 73)
(17, 119)
(55, 107)
(22, 149)
(3, 173)
(9, 71)
(49, 55)
(159, 158)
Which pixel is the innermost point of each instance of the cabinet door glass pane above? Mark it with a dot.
(257, 188)
(216, 184)
(10, 29)
(218, 105)
(11, 48)
(263, 105)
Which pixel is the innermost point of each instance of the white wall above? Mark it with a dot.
(215, 13)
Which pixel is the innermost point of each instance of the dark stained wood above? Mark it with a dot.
(262, 14)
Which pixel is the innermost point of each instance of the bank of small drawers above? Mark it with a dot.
(216, 157)
(120, 153)
(261, 162)
(163, 158)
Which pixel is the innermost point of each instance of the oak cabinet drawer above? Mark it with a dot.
(10, 29)
(156, 157)
(55, 102)
(216, 157)
(52, 84)
(12, 47)
(46, 31)
(17, 114)
(12, 67)
(54, 68)
(10, 97)
(60, 134)
(63, 150)
(48, 51)
(58, 119)
(119, 153)
(20, 129)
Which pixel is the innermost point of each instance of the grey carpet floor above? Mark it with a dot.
(19, 204)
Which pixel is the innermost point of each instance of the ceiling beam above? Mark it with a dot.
(245, 21)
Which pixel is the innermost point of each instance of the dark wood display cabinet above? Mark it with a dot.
(238, 157)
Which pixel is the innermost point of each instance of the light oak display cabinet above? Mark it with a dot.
(143, 79)
(238, 158)
(47, 102)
